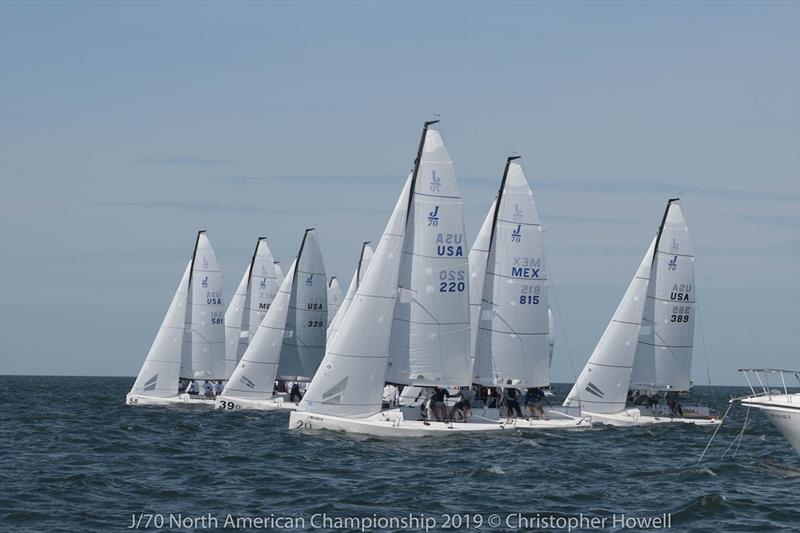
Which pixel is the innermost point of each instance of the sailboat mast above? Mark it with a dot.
(194, 254)
(360, 258)
(661, 228)
(253, 262)
(416, 164)
(500, 199)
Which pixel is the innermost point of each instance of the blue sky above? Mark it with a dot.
(125, 127)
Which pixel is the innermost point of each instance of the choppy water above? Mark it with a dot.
(73, 457)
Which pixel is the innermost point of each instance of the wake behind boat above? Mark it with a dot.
(186, 363)
(648, 341)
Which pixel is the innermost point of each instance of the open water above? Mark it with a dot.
(74, 458)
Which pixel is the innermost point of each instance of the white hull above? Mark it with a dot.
(387, 424)
(785, 417)
(183, 399)
(491, 415)
(275, 403)
(633, 417)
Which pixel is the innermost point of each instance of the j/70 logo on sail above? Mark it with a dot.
(433, 217)
(310, 280)
(516, 235)
(673, 264)
(204, 283)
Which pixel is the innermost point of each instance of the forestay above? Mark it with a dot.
(512, 346)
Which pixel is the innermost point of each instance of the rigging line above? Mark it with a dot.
(715, 433)
(746, 416)
(738, 437)
(560, 319)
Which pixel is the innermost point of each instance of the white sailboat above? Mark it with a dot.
(190, 344)
(409, 320)
(290, 340)
(249, 304)
(511, 319)
(334, 297)
(648, 343)
(364, 259)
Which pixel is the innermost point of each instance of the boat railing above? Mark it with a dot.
(758, 379)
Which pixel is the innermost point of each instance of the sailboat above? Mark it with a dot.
(511, 340)
(647, 346)
(290, 341)
(775, 400)
(409, 321)
(334, 297)
(361, 268)
(190, 344)
(249, 304)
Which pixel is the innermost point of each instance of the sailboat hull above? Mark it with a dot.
(276, 403)
(492, 415)
(183, 399)
(633, 417)
(387, 424)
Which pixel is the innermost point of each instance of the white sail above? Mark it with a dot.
(478, 256)
(248, 306)
(158, 376)
(512, 346)
(204, 336)
(261, 290)
(602, 386)
(233, 323)
(334, 297)
(358, 275)
(254, 377)
(430, 330)
(279, 272)
(350, 379)
(304, 335)
(664, 352)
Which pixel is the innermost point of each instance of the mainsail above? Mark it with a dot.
(512, 344)
(307, 320)
(364, 259)
(602, 386)
(430, 330)
(203, 354)
(664, 351)
(279, 272)
(250, 303)
(158, 376)
(334, 297)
